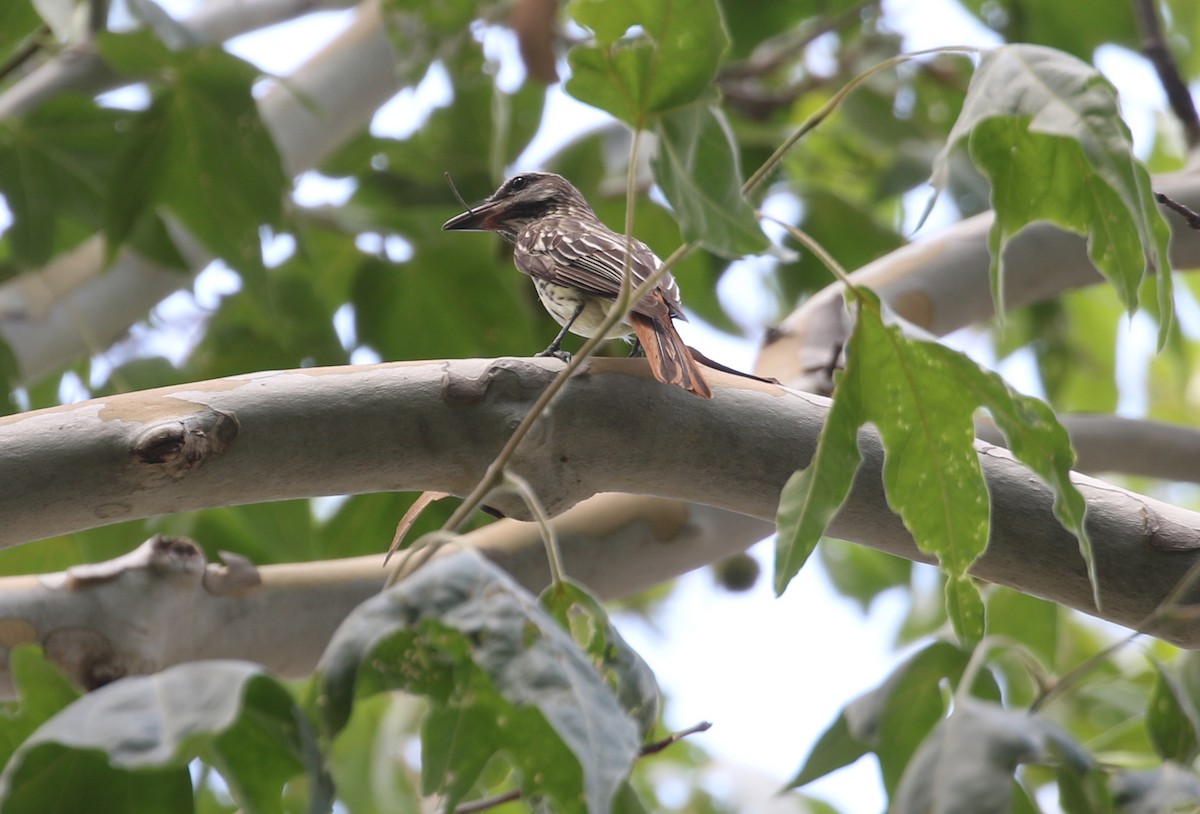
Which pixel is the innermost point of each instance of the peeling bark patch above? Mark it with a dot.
(15, 632)
(85, 655)
(181, 446)
(161, 554)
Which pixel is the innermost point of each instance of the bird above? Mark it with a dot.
(577, 263)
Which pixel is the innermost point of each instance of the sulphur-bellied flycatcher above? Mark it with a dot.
(576, 263)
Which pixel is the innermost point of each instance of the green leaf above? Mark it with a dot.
(836, 748)
(669, 62)
(862, 573)
(921, 396)
(632, 680)
(126, 746)
(967, 763)
(19, 21)
(200, 151)
(43, 691)
(365, 761)
(1171, 719)
(1045, 128)
(501, 675)
(698, 169)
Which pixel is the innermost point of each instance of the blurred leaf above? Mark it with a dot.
(894, 718)
(1046, 130)
(454, 297)
(55, 164)
(836, 748)
(366, 760)
(697, 168)
(42, 691)
(19, 21)
(1026, 619)
(1070, 27)
(200, 151)
(127, 745)
(670, 61)
(625, 672)
(501, 675)
(1171, 719)
(862, 573)
(968, 761)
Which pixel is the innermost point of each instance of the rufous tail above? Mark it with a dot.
(670, 359)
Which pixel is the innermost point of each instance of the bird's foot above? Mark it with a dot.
(557, 353)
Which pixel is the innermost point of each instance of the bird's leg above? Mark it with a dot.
(555, 347)
(636, 349)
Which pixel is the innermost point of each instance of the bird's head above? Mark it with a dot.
(518, 202)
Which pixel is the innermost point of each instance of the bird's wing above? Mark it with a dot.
(578, 254)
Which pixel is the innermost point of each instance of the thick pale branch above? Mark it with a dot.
(1126, 446)
(91, 619)
(940, 284)
(437, 425)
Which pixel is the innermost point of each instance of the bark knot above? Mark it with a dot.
(181, 446)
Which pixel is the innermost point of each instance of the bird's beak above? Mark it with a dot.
(473, 220)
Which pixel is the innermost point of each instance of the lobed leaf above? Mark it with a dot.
(648, 57)
(502, 677)
(1046, 130)
(127, 745)
(200, 152)
(966, 765)
(698, 170)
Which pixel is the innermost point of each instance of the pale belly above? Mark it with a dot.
(561, 302)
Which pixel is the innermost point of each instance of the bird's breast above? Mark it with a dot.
(562, 302)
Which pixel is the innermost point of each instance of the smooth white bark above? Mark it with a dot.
(437, 425)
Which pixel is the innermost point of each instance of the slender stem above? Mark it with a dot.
(1154, 47)
(823, 112)
(549, 537)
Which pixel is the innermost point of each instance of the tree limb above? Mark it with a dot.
(437, 425)
(90, 619)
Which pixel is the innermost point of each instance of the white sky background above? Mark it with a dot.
(769, 673)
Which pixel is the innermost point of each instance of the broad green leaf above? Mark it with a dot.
(921, 396)
(1171, 719)
(627, 673)
(501, 675)
(200, 152)
(967, 763)
(697, 167)
(1045, 128)
(669, 62)
(931, 471)
(126, 746)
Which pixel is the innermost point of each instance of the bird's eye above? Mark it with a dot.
(519, 183)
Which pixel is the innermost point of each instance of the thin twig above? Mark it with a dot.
(1154, 46)
(488, 802)
(1190, 215)
(549, 538)
(674, 737)
(25, 52)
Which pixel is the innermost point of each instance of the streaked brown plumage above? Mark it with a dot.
(576, 263)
